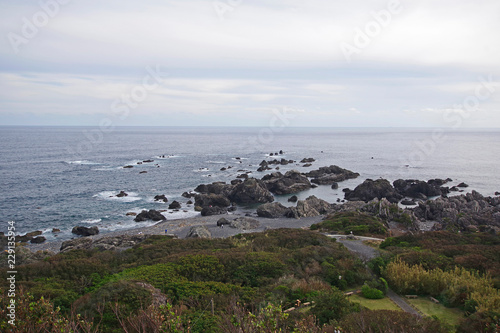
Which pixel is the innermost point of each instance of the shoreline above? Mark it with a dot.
(181, 227)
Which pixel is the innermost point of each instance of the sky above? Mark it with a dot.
(358, 63)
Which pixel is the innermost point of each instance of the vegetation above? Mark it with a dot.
(356, 222)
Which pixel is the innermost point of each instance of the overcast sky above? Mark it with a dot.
(355, 63)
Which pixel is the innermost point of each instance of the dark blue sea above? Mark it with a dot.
(60, 177)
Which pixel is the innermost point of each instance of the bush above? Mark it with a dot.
(371, 293)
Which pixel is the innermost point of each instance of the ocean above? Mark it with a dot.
(61, 177)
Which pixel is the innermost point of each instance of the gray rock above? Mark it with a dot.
(293, 198)
(244, 223)
(223, 221)
(331, 174)
(312, 206)
(271, 210)
(84, 231)
(251, 191)
(38, 240)
(149, 215)
(161, 197)
(213, 210)
(174, 205)
(199, 232)
(371, 189)
(291, 182)
(211, 199)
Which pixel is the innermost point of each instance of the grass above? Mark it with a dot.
(446, 315)
(375, 304)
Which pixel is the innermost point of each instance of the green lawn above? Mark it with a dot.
(450, 316)
(374, 304)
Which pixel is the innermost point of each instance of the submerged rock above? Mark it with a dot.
(161, 197)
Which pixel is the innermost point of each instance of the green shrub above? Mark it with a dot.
(371, 293)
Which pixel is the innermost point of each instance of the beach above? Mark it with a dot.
(181, 227)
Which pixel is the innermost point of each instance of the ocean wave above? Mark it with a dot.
(83, 162)
(166, 157)
(216, 162)
(111, 195)
(201, 170)
(92, 221)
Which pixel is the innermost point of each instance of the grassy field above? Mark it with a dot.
(449, 316)
(374, 304)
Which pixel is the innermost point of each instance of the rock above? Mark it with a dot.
(236, 181)
(244, 223)
(33, 234)
(188, 194)
(330, 175)
(242, 176)
(223, 221)
(55, 230)
(335, 186)
(213, 210)
(128, 167)
(207, 200)
(148, 161)
(198, 208)
(25, 256)
(271, 210)
(143, 172)
(263, 168)
(292, 182)
(106, 243)
(216, 188)
(281, 152)
(84, 231)
(189, 202)
(497, 193)
(38, 240)
(199, 232)
(131, 214)
(419, 189)
(161, 197)
(408, 202)
(251, 191)
(293, 198)
(371, 189)
(149, 215)
(174, 205)
(122, 194)
(307, 160)
(223, 169)
(312, 206)
(307, 165)
(463, 185)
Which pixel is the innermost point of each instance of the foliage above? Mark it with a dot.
(358, 223)
(371, 293)
(386, 321)
(331, 306)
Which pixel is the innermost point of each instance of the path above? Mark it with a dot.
(366, 253)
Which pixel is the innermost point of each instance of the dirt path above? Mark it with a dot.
(367, 253)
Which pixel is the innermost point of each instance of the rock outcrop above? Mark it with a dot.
(244, 223)
(251, 191)
(106, 243)
(213, 210)
(211, 199)
(84, 231)
(291, 182)
(199, 232)
(419, 189)
(312, 206)
(149, 215)
(271, 210)
(331, 174)
(371, 189)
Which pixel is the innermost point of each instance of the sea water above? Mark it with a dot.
(61, 177)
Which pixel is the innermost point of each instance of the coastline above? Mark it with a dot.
(181, 227)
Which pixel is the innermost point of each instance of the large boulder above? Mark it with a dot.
(213, 210)
(211, 199)
(331, 174)
(371, 189)
(84, 231)
(149, 215)
(418, 189)
(251, 191)
(312, 206)
(244, 223)
(271, 210)
(199, 232)
(291, 182)
(174, 205)
(215, 188)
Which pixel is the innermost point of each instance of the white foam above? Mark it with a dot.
(111, 195)
(108, 168)
(91, 221)
(161, 157)
(201, 170)
(83, 162)
(216, 162)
